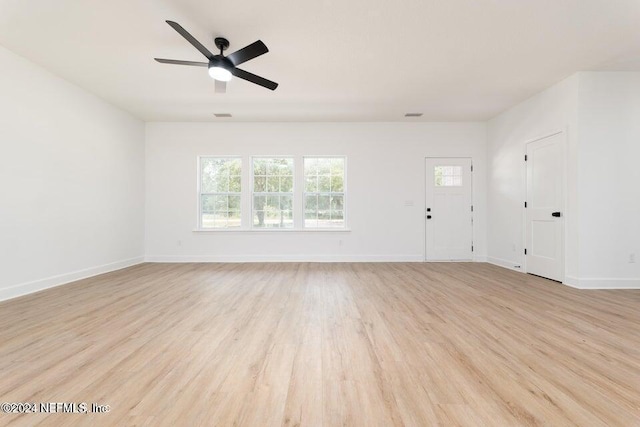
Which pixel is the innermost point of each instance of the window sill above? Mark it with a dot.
(271, 230)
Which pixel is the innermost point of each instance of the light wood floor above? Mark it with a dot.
(324, 344)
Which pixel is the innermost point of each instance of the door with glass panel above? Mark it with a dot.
(448, 210)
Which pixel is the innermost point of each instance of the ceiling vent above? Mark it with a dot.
(222, 115)
(413, 115)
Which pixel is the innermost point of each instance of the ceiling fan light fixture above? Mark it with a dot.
(220, 73)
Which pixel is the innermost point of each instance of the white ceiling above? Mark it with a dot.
(335, 60)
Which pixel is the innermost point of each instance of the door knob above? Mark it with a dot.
(556, 214)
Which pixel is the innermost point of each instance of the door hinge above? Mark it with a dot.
(471, 248)
(525, 157)
(525, 251)
(471, 208)
(525, 204)
(471, 168)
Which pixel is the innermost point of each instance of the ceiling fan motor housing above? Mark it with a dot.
(221, 43)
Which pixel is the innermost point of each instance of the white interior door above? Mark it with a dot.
(544, 222)
(448, 216)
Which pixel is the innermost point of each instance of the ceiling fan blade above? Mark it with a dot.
(245, 75)
(248, 52)
(191, 39)
(177, 62)
(221, 87)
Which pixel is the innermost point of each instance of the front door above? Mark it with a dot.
(449, 215)
(544, 221)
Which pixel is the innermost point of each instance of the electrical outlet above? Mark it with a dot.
(339, 242)
(632, 258)
(179, 243)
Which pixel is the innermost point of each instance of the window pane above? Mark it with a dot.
(234, 203)
(273, 167)
(337, 203)
(311, 202)
(310, 166)
(234, 184)
(220, 176)
(323, 202)
(259, 166)
(448, 176)
(310, 184)
(324, 184)
(274, 210)
(259, 184)
(286, 184)
(258, 219)
(259, 202)
(324, 191)
(288, 167)
(207, 204)
(324, 166)
(337, 166)
(273, 202)
(337, 183)
(286, 203)
(273, 184)
(220, 203)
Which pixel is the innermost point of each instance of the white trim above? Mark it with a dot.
(509, 264)
(283, 258)
(272, 230)
(62, 279)
(602, 283)
(544, 135)
(571, 281)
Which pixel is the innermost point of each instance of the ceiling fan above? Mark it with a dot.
(222, 68)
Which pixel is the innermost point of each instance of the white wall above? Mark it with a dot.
(385, 169)
(507, 134)
(71, 181)
(609, 186)
(600, 114)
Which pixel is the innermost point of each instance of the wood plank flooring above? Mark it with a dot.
(303, 344)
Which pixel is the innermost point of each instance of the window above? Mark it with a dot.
(448, 176)
(273, 192)
(324, 188)
(220, 192)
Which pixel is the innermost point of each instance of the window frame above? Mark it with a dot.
(343, 193)
(200, 193)
(252, 193)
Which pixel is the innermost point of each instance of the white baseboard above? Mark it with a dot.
(284, 258)
(505, 263)
(601, 283)
(61, 279)
(571, 281)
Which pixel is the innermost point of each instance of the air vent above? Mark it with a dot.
(222, 115)
(413, 115)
